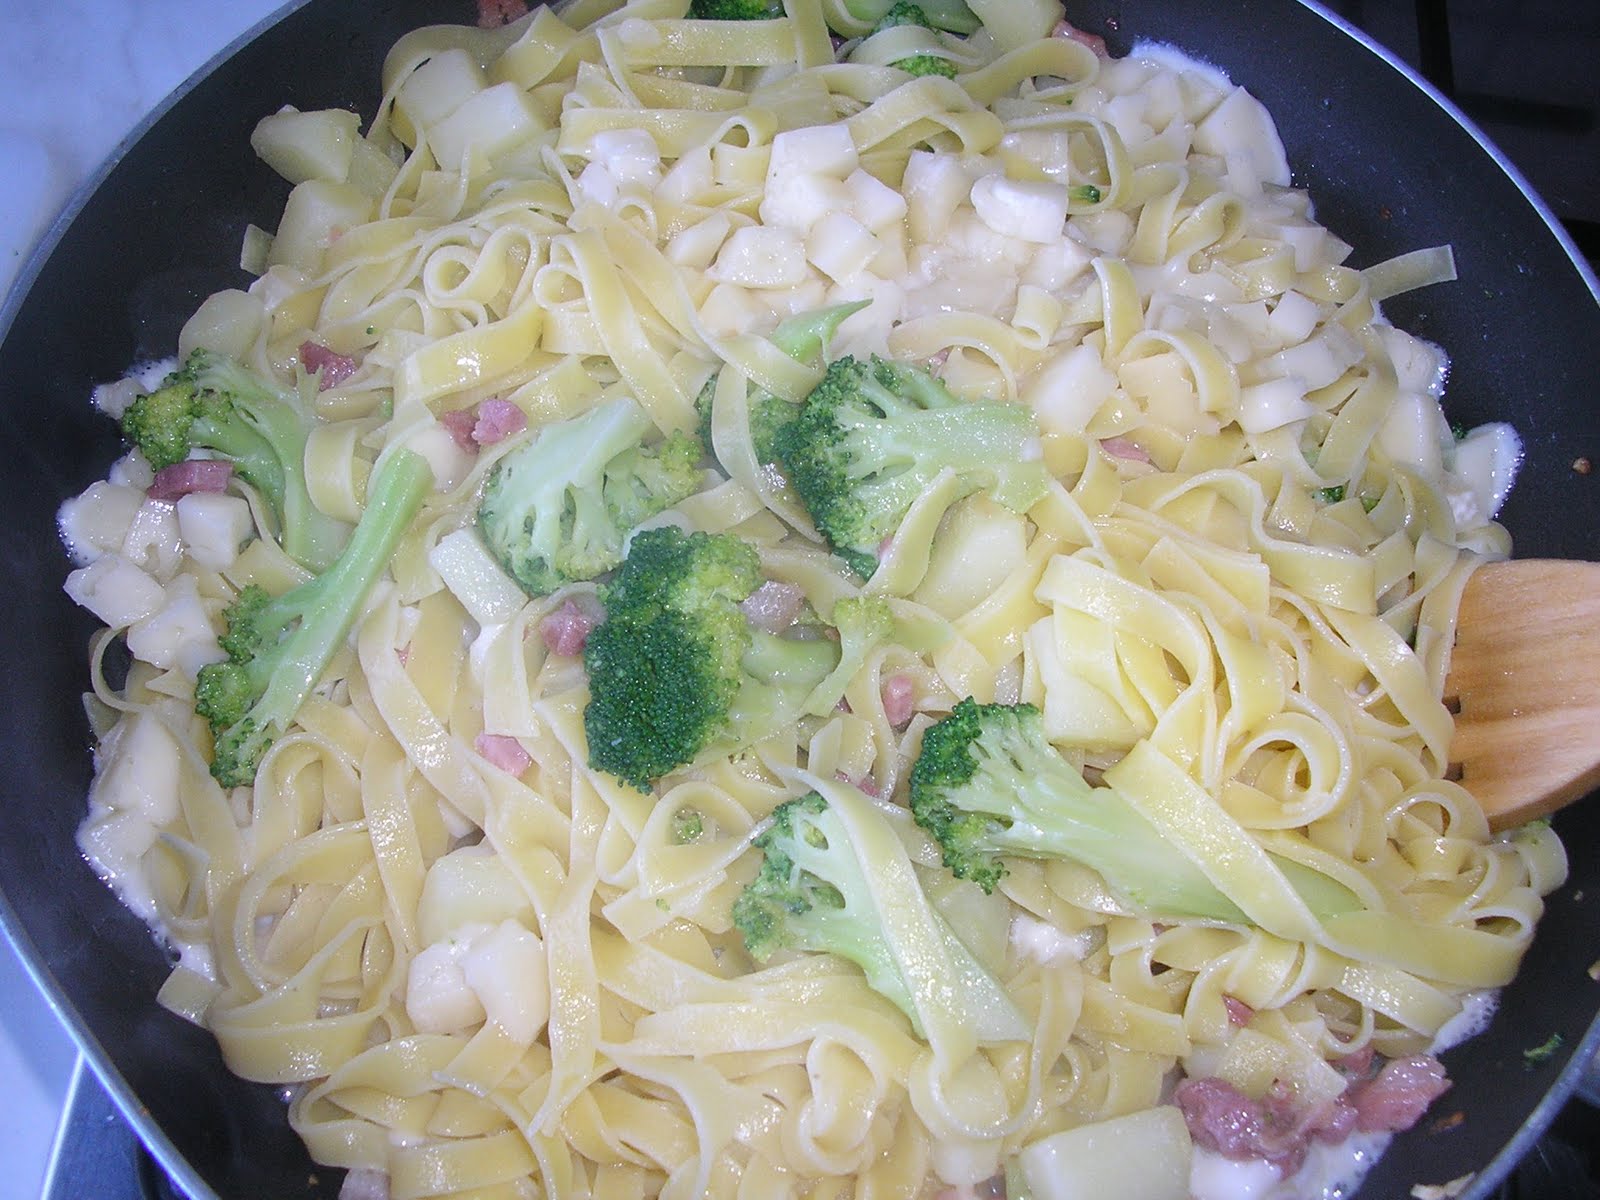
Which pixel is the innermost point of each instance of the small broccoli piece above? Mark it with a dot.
(688, 825)
(864, 623)
(675, 668)
(1329, 495)
(768, 414)
(1084, 193)
(804, 337)
(558, 508)
(820, 891)
(871, 438)
(735, 10)
(987, 784)
(214, 405)
(279, 646)
(950, 15)
(903, 12)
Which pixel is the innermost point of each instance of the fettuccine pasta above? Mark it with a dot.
(487, 969)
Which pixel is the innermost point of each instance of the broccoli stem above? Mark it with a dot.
(804, 336)
(326, 607)
(988, 784)
(279, 647)
(1048, 810)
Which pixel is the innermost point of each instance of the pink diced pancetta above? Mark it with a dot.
(504, 752)
(899, 699)
(334, 367)
(1357, 1065)
(1397, 1096)
(865, 783)
(496, 421)
(1066, 29)
(566, 631)
(1124, 448)
(190, 476)
(1239, 1013)
(461, 422)
(494, 13)
(773, 606)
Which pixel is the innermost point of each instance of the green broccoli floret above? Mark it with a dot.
(735, 10)
(818, 891)
(988, 784)
(279, 646)
(871, 438)
(768, 414)
(688, 825)
(675, 668)
(213, 404)
(951, 15)
(804, 337)
(903, 12)
(559, 508)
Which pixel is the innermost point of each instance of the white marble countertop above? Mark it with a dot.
(76, 77)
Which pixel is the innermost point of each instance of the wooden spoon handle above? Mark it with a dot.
(1525, 685)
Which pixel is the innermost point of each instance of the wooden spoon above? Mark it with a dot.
(1524, 684)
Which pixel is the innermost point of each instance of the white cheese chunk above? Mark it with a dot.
(96, 521)
(697, 245)
(153, 542)
(812, 149)
(759, 257)
(839, 244)
(872, 202)
(213, 525)
(115, 590)
(179, 634)
(1031, 210)
(1241, 125)
(934, 185)
(799, 201)
(1068, 390)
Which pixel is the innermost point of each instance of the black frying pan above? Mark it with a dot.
(1390, 170)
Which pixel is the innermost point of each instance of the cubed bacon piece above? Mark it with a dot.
(866, 783)
(1357, 1065)
(1124, 448)
(566, 631)
(460, 422)
(494, 13)
(1066, 29)
(1397, 1096)
(335, 368)
(1333, 1122)
(1223, 1119)
(773, 606)
(504, 752)
(497, 420)
(899, 699)
(190, 476)
(1239, 1013)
